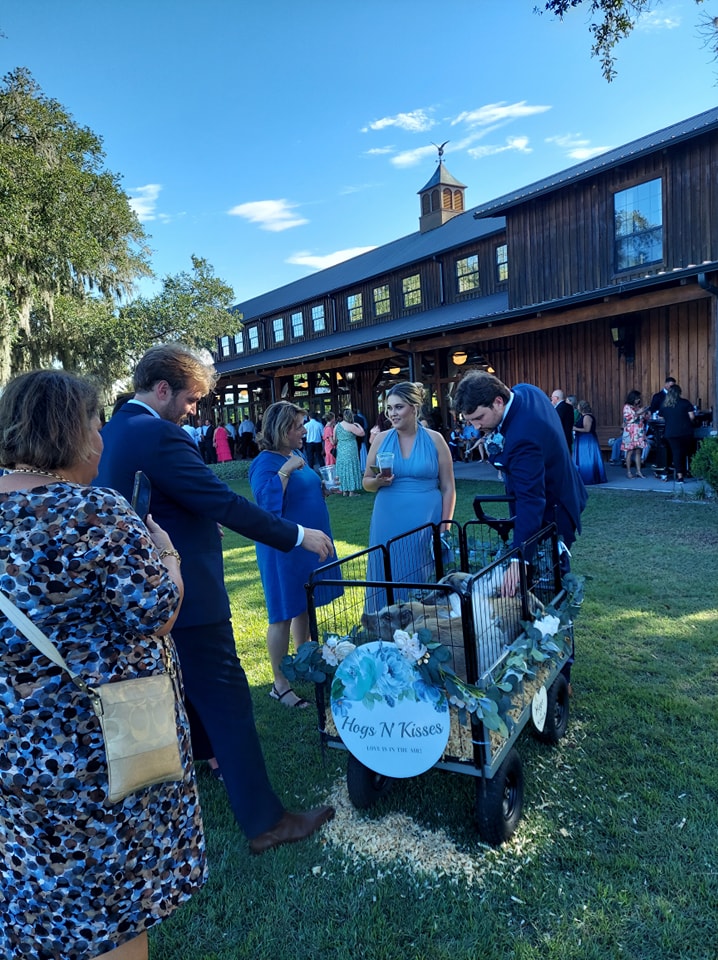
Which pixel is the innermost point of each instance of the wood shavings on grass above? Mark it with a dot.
(397, 840)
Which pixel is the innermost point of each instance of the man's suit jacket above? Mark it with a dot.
(565, 413)
(538, 469)
(188, 501)
(657, 401)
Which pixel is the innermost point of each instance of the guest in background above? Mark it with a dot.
(679, 416)
(659, 398)
(328, 439)
(220, 442)
(346, 434)
(382, 423)
(565, 414)
(586, 449)
(633, 441)
(573, 402)
(246, 432)
(313, 441)
(282, 486)
(231, 437)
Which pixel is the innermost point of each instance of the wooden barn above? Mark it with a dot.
(598, 280)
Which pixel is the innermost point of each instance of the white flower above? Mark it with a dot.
(548, 626)
(410, 646)
(334, 650)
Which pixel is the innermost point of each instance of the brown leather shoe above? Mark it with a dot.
(292, 827)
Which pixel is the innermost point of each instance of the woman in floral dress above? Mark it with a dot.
(635, 418)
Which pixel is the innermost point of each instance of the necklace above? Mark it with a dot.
(41, 473)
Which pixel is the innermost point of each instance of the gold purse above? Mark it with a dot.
(137, 717)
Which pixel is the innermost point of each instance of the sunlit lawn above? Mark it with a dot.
(617, 851)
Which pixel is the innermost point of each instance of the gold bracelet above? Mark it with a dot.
(170, 553)
(283, 474)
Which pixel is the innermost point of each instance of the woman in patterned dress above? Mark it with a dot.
(348, 467)
(635, 418)
(81, 876)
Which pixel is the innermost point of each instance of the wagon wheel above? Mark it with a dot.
(556, 712)
(365, 786)
(500, 800)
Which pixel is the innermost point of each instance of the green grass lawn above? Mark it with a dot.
(617, 851)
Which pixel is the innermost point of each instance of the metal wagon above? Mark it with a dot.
(448, 589)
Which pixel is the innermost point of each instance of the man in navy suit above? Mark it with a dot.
(528, 445)
(190, 502)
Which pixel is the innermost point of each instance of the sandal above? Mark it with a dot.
(299, 704)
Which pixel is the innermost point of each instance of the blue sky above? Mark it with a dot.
(274, 138)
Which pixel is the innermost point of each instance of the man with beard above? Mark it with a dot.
(190, 502)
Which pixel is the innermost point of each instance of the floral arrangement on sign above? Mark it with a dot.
(544, 639)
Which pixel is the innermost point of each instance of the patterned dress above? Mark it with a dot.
(634, 428)
(81, 875)
(348, 467)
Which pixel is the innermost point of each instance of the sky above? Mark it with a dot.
(274, 138)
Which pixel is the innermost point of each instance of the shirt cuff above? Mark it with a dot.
(300, 535)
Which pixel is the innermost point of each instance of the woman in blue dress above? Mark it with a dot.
(420, 491)
(283, 484)
(586, 449)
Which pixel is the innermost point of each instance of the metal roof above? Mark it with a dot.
(678, 132)
(441, 176)
(460, 230)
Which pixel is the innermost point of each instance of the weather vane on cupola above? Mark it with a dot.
(440, 148)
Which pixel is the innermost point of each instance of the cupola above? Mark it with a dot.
(441, 198)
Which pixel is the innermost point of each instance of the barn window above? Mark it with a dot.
(467, 274)
(411, 290)
(502, 263)
(638, 215)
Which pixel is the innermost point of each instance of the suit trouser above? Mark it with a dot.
(217, 691)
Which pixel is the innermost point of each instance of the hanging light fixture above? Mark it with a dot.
(394, 369)
(459, 358)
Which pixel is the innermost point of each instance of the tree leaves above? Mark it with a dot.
(68, 229)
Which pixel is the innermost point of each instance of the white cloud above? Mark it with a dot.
(415, 122)
(497, 113)
(306, 259)
(519, 144)
(652, 20)
(274, 215)
(410, 158)
(143, 201)
(576, 147)
(379, 151)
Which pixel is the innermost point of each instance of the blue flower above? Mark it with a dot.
(359, 674)
(394, 673)
(494, 443)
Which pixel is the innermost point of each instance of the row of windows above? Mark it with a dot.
(467, 281)
(638, 240)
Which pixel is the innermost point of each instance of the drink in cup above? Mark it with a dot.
(329, 477)
(386, 464)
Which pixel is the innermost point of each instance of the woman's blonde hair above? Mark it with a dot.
(46, 420)
(411, 393)
(278, 420)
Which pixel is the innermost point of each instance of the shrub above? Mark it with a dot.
(705, 462)
(232, 469)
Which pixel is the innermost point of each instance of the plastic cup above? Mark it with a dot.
(329, 477)
(386, 464)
